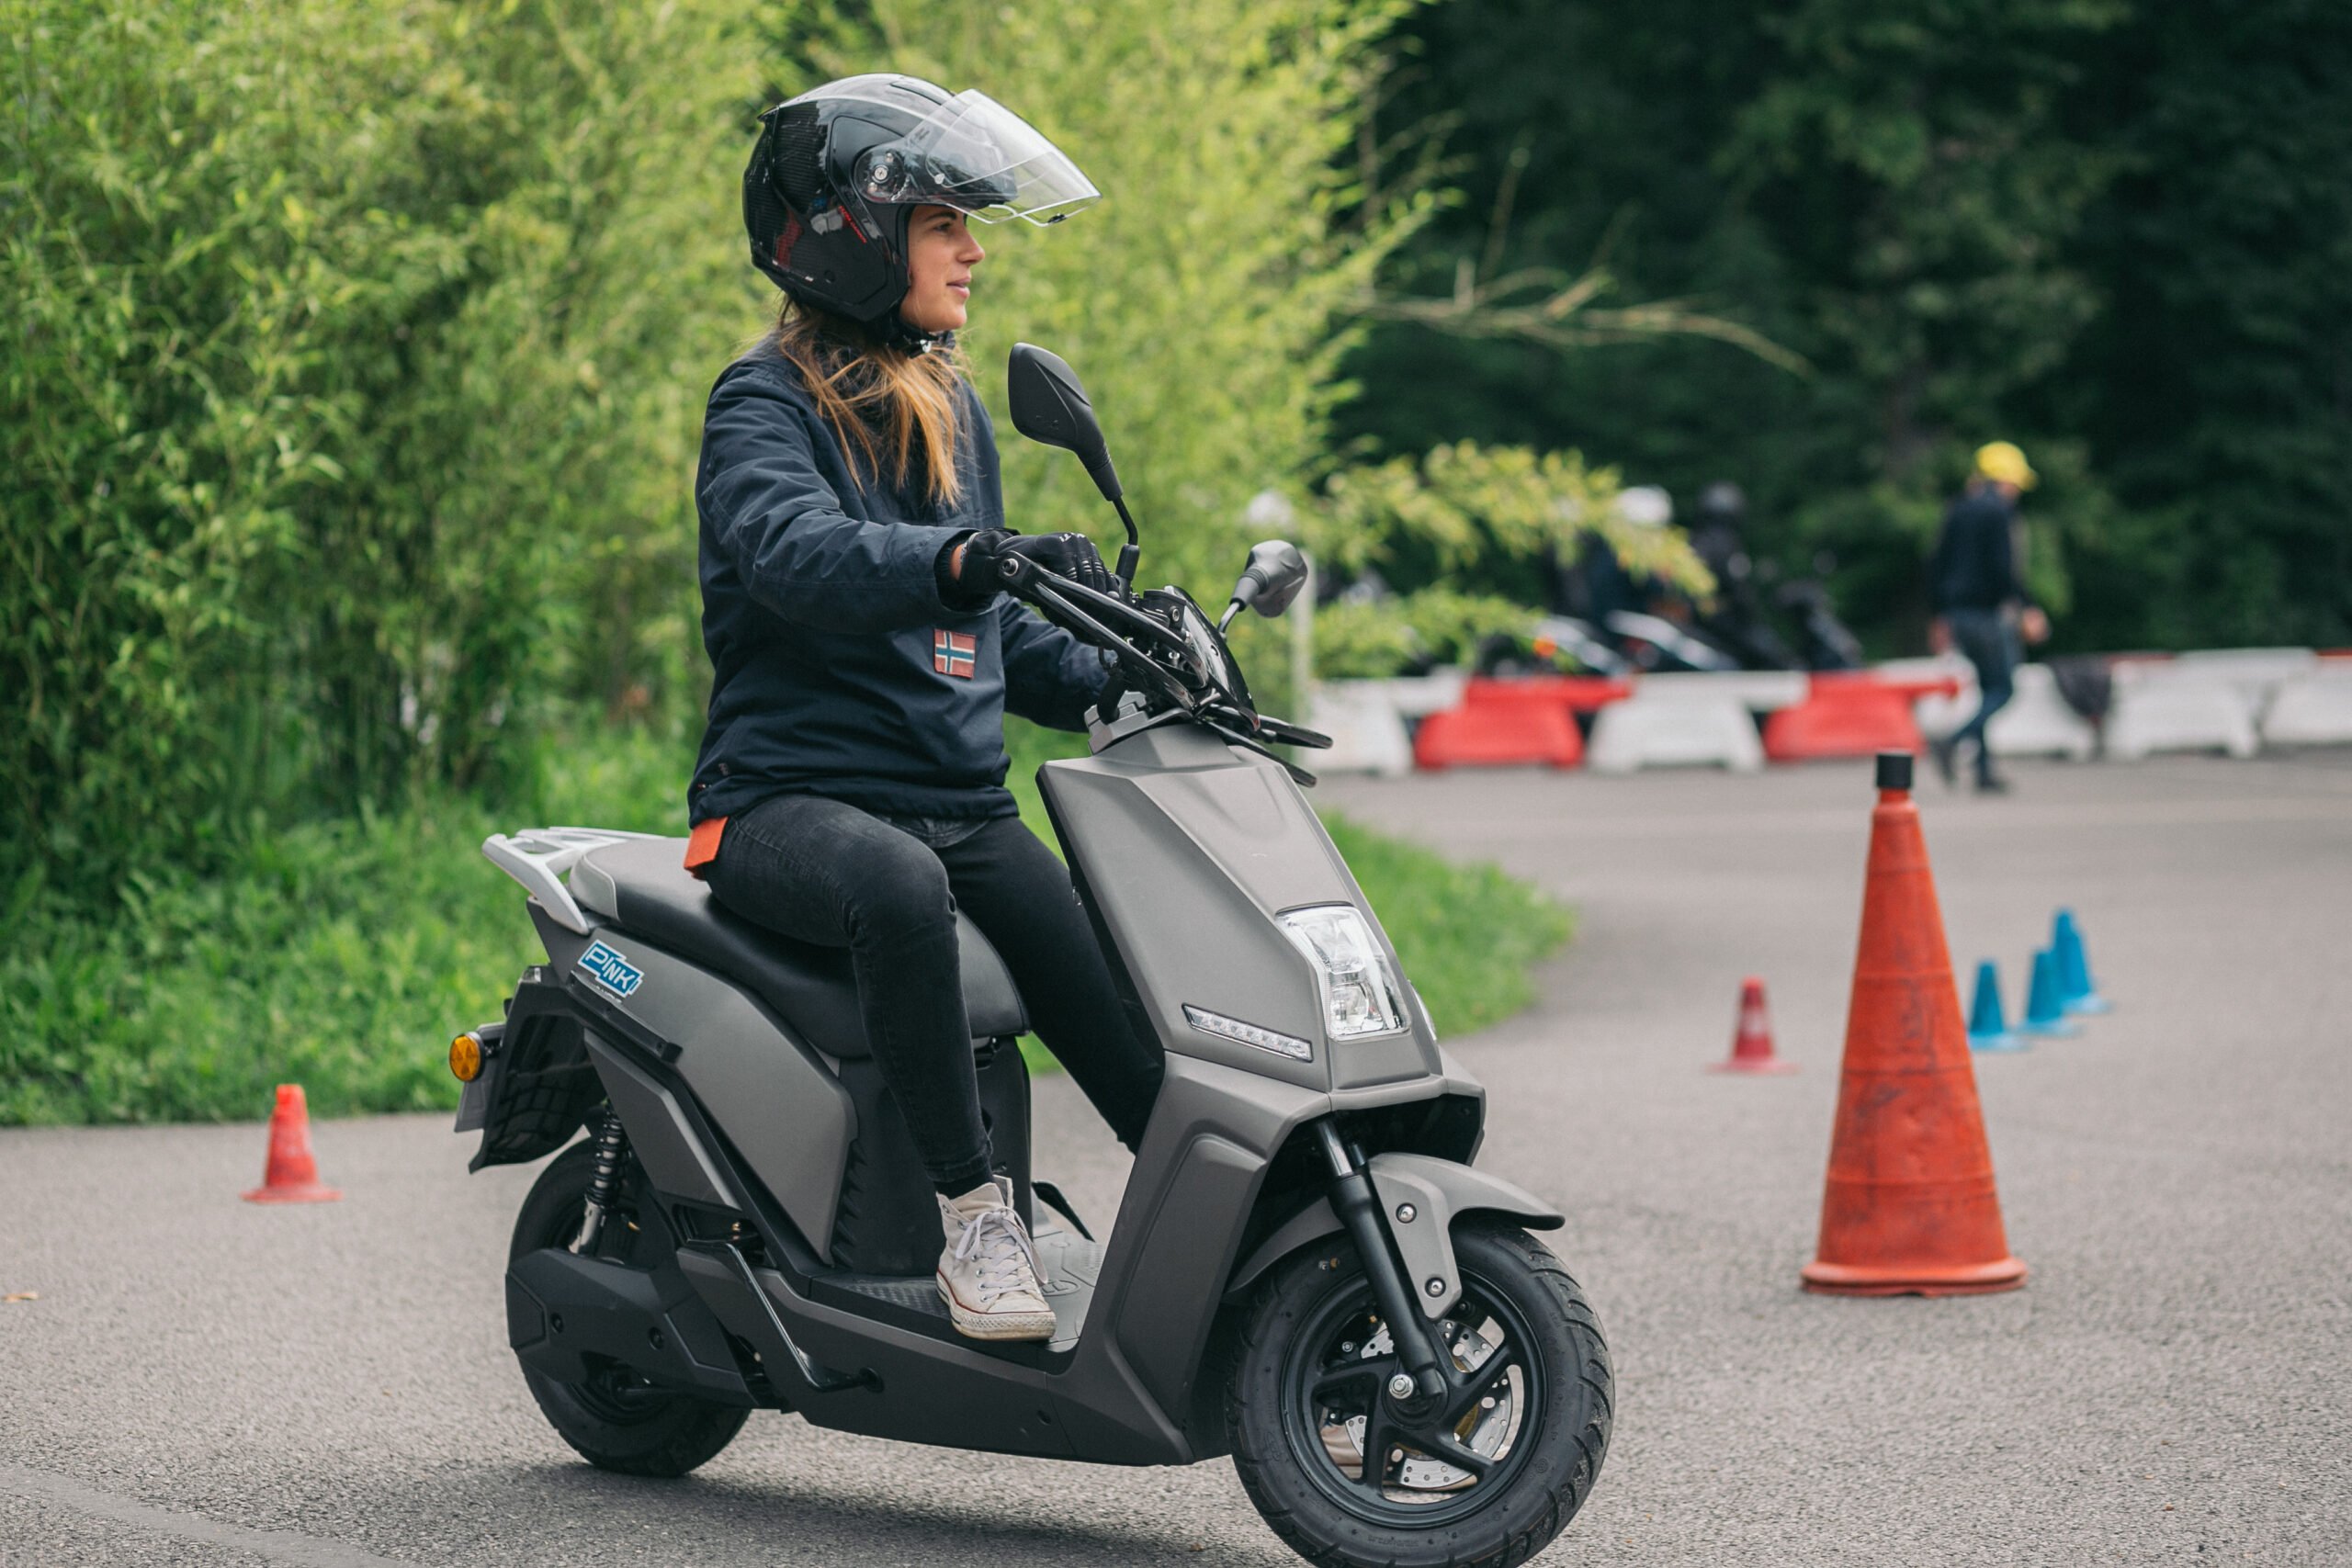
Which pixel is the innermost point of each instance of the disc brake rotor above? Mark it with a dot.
(1484, 1429)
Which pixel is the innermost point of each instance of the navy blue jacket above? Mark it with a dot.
(1975, 562)
(837, 668)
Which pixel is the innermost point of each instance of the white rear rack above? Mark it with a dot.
(538, 857)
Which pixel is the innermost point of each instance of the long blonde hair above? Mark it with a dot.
(893, 412)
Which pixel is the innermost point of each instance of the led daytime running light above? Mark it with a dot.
(1225, 1028)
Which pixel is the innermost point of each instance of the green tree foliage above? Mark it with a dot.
(2215, 389)
(1497, 521)
(349, 389)
(2110, 230)
(1355, 637)
(1473, 509)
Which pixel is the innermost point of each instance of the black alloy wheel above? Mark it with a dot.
(615, 1419)
(1484, 1474)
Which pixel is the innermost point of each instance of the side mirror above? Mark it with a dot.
(1273, 579)
(1050, 407)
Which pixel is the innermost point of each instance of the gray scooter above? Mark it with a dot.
(1304, 1270)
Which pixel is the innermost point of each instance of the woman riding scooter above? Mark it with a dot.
(850, 789)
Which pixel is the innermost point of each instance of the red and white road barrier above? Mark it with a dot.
(2227, 700)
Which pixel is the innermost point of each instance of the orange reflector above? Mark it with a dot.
(465, 1058)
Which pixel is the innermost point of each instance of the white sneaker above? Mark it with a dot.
(989, 1274)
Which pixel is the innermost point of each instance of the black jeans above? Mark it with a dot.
(824, 872)
(1991, 645)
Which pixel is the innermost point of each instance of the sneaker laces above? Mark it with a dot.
(997, 1244)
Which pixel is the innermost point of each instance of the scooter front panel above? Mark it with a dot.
(1188, 849)
(1183, 931)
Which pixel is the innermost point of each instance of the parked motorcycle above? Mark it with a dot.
(1304, 1270)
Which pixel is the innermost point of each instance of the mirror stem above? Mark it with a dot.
(1131, 552)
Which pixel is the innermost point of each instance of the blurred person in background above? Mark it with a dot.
(1738, 618)
(1716, 534)
(1978, 592)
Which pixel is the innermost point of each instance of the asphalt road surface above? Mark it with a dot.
(204, 1381)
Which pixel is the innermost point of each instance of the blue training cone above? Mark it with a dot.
(2077, 990)
(1988, 1026)
(2045, 1009)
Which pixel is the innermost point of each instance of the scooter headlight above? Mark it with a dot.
(1361, 995)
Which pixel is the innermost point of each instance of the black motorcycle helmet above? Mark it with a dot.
(839, 170)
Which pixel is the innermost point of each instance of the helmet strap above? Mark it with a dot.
(894, 332)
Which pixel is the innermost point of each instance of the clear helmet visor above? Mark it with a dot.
(975, 155)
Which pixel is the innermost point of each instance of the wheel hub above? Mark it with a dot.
(1483, 1429)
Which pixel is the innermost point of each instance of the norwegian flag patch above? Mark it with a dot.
(954, 653)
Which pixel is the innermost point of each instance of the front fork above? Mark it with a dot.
(1352, 1199)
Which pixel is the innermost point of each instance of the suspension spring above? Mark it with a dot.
(604, 1180)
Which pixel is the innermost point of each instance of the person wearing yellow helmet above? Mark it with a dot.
(2001, 463)
(1980, 600)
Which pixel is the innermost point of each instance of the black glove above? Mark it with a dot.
(1067, 555)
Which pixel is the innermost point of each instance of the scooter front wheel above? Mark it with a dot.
(1346, 1474)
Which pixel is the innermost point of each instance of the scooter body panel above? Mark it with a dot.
(1215, 1131)
(676, 1160)
(785, 1112)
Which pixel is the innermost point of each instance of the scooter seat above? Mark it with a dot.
(643, 886)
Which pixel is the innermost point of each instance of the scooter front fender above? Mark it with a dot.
(1435, 1192)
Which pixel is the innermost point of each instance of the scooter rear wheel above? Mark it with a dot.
(1345, 1476)
(616, 1420)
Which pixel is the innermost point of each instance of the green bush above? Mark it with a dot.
(1462, 514)
(354, 361)
(340, 955)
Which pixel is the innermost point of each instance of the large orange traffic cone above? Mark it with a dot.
(292, 1175)
(1751, 1041)
(1909, 1208)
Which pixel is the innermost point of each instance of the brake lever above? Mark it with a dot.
(1024, 576)
(1289, 734)
(1020, 574)
(1299, 775)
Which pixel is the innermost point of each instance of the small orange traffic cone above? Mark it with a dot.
(1909, 1207)
(292, 1175)
(1751, 1041)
